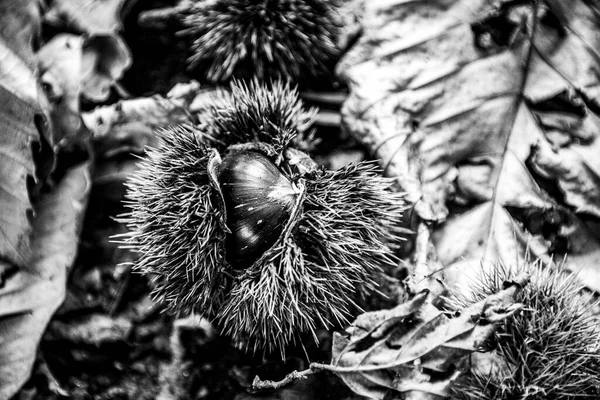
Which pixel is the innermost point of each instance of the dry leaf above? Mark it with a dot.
(71, 66)
(21, 146)
(487, 114)
(59, 63)
(577, 178)
(105, 59)
(414, 351)
(428, 272)
(29, 298)
(129, 125)
(39, 230)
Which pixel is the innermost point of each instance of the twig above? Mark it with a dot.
(293, 376)
(327, 98)
(160, 17)
(328, 118)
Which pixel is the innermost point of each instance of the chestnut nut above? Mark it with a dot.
(259, 200)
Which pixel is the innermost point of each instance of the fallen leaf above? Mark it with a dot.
(60, 72)
(71, 66)
(30, 297)
(427, 272)
(577, 171)
(129, 125)
(414, 351)
(21, 146)
(105, 59)
(481, 110)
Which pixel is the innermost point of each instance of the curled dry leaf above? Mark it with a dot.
(487, 114)
(71, 66)
(104, 60)
(414, 351)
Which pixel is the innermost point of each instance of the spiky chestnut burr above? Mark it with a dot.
(198, 220)
(256, 112)
(293, 40)
(551, 350)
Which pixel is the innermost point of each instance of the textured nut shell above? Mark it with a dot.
(259, 201)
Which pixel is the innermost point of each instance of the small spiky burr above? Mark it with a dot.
(257, 112)
(551, 350)
(292, 40)
(252, 233)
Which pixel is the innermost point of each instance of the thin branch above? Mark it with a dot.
(293, 376)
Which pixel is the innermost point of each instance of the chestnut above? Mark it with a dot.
(259, 200)
(231, 221)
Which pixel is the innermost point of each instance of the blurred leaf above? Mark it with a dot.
(188, 336)
(30, 296)
(94, 329)
(584, 251)
(129, 125)
(488, 115)
(71, 66)
(86, 16)
(21, 146)
(414, 351)
(105, 59)
(59, 63)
